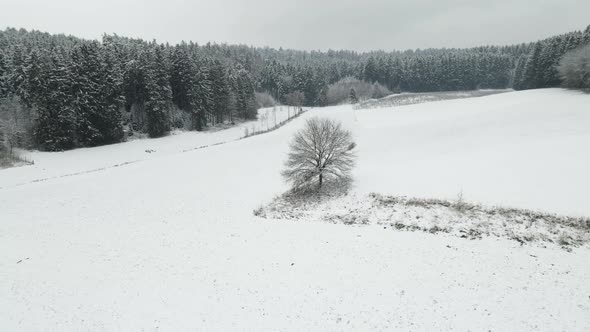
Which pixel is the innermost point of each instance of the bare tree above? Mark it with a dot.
(295, 98)
(321, 151)
(574, 68)
(339, 92)
(15, 124)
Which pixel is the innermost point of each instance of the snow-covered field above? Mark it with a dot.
(167, 241)
(50, 165)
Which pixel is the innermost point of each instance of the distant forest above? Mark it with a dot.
(59, 92)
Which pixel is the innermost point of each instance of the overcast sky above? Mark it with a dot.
(306, 24)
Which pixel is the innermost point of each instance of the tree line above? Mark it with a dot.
(73, 93)
(411, 71)
(521, 66)
(539, 68)
(62, 92)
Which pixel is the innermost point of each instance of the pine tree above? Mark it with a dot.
(55, 127)
(3, 74)
(181, 77)
(159, 95)
(135, 90)
(232, 101)
(531, 70)
(200, 95)
(33, 87)
(220, 91)
(111, 95)
(191, 87)
(549, 59)
(370, 71)
(518, 83)
(245, 94)
(17, 76)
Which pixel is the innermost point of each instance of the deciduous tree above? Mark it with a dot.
(319, 152)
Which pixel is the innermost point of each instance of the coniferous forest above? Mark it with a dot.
(59, 92)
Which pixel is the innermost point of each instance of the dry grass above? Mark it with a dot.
(13, 159)
(422, 97)
(335, 204)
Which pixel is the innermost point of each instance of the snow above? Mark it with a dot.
(526, 150)
(170, 242)
(48, 165)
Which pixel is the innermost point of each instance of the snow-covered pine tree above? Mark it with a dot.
(370, 73)
(111, 98)
(232, 101)
(181, 76)
(97, 95)
(191, 88)
(85, 68)
(219, 90)
(56, 125)
(16, 76)
(135, 90)
(518, 83)
(159, 99)
(200, 94)
(3, 74)
(531, 70)
(35, 73)
(549, 59)
(245, 94)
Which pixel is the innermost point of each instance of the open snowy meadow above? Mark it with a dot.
(161, 234)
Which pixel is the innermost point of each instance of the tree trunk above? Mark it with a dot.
(321, 179)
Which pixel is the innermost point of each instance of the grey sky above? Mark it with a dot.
(306, 24)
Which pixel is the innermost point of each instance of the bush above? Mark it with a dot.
(259, 212)
(264, 100)
(339, 92)
(16, 124)
(295, 98)
(9, 158)
(180, 119)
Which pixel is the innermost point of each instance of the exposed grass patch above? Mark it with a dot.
(402, 99)
(458, 217)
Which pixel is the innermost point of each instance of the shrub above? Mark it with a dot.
(295, 98)
(264, 100)
(340, 91)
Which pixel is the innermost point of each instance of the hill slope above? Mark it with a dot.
(170, 243)
(526, 149)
